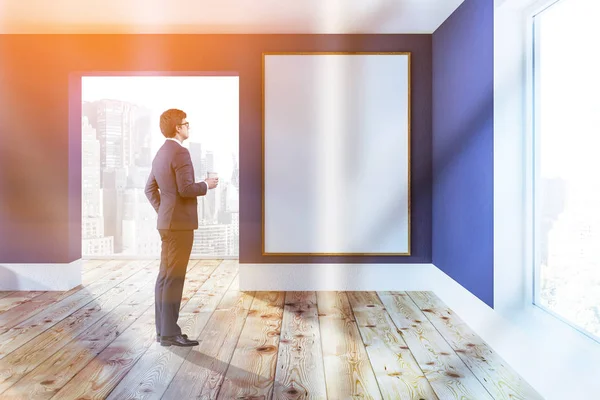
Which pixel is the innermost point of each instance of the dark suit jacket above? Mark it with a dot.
(172, 190)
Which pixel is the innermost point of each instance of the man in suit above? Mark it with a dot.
(173, 192)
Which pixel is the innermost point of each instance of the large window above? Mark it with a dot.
(121, 134)
(567, 162)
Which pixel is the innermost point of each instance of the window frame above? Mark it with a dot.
(75, 138)
(532, 163)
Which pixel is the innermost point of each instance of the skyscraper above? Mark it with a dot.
(94, 240)
(196, 155)
(119, 143)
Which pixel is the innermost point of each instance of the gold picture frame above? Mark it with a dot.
(409, 116)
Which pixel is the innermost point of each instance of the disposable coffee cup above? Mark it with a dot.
(212, 174)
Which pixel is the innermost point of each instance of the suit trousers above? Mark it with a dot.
(174, 258)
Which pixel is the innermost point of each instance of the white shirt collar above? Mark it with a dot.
(175, 140)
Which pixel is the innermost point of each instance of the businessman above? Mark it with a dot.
(173, 191)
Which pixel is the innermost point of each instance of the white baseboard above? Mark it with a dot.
(346, 277)
(40, 277)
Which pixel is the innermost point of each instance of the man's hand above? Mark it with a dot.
(212, 182)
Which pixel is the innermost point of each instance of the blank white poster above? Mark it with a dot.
(336, 154)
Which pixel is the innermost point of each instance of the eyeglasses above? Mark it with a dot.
(185, 123)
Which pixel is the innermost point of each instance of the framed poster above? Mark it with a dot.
(336, 153)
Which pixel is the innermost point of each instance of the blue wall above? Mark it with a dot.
(40, 150)
(462, 147)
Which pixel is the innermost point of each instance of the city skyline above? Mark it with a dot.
(117, 151)
(210, 102)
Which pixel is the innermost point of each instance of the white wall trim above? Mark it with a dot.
(40, 277)
(318, 277)
(512, 277)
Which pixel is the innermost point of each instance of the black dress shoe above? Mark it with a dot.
(158, 337)
(178, 340)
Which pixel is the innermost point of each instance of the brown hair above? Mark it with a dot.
(169, 121)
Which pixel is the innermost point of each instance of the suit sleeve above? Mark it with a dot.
(152, 192)
(184, 176)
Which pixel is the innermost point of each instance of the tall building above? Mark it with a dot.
(123, 131)
(210, 200)
(137, 177)
(196, 155)
(140, 236)
(571, 272)
(224, 215)
(235, 232)
(94, 240)
(117, 162)
(113, 197)
(121, 160)
(110, 133)
(142, 134)
(90, 173)
(235, 174)
(210, 161)
(213, 240)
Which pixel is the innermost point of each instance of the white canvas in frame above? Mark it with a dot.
(336, 153)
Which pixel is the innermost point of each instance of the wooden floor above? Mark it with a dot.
(98, 341)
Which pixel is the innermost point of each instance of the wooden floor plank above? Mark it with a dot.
(107, 268)
(300, 371)
(18, 314)
(348, 371)
(52, 374)
(5, 293)
(201, 374)
(251, 371)
(104, 372)
(97, 341)
(16, 299)
(89, 265)
(44, 345)
(154, 371)
(493, 372)
(15, 337)
(226, 279)
(450, 378)
(397, 372)
(98, 379)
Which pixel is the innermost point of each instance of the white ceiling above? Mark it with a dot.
(224, 16)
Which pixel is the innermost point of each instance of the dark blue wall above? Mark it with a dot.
(463, 115)
(40, 139)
